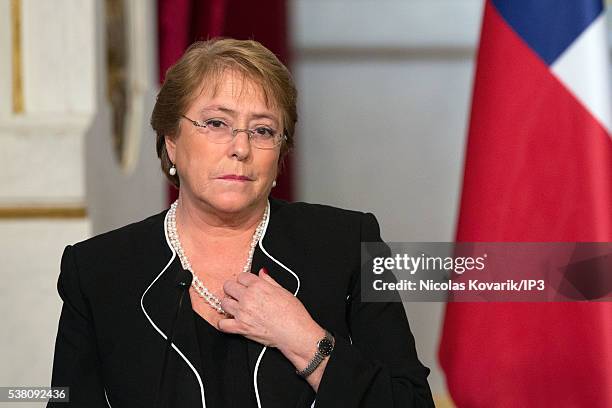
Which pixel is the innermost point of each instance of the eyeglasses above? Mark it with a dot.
(217, 131)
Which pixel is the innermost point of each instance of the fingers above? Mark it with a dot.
(231, 326)
(234, 289)
(246, 278)
(236, 327)
(230, 306)
(263, 274)
(252, 306)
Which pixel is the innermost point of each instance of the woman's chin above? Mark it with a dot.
(232, 202)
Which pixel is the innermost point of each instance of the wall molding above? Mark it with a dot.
(25, 212)
(17, 79)
(364, 54)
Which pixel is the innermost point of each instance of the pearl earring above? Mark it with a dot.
(274, 184)
(172, 170)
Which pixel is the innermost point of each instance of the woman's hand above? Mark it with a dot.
(264, 311)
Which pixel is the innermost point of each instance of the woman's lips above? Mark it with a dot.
(235, 177)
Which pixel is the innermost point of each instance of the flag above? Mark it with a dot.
(538, 168)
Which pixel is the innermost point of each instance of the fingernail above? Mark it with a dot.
(264, 270)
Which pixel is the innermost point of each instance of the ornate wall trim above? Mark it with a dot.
(17, 59)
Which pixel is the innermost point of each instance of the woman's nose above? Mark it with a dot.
(241, 144)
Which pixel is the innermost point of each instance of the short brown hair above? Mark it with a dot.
(209, 59)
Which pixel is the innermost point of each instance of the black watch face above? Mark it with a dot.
(325, 347)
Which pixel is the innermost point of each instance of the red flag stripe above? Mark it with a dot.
(538, 168)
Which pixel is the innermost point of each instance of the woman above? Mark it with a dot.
(273, 315)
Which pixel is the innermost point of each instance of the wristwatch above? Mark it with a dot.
(325, 346)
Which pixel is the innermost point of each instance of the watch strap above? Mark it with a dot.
(318, 357)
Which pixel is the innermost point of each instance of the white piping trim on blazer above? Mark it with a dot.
(265, 229)
(157, 328)
(106, 396)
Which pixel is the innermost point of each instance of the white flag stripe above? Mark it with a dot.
(584, 68)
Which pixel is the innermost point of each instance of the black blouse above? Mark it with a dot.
(228, 382)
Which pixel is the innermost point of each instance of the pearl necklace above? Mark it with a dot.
(196, 283)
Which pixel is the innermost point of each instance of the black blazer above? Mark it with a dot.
(120, 295)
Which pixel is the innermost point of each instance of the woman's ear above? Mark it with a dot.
(170, 147)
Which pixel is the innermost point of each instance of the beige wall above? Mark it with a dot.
(385, 89)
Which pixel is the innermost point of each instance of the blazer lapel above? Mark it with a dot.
(284, 260)
(160, 303)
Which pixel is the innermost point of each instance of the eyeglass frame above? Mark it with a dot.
(234, 132)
